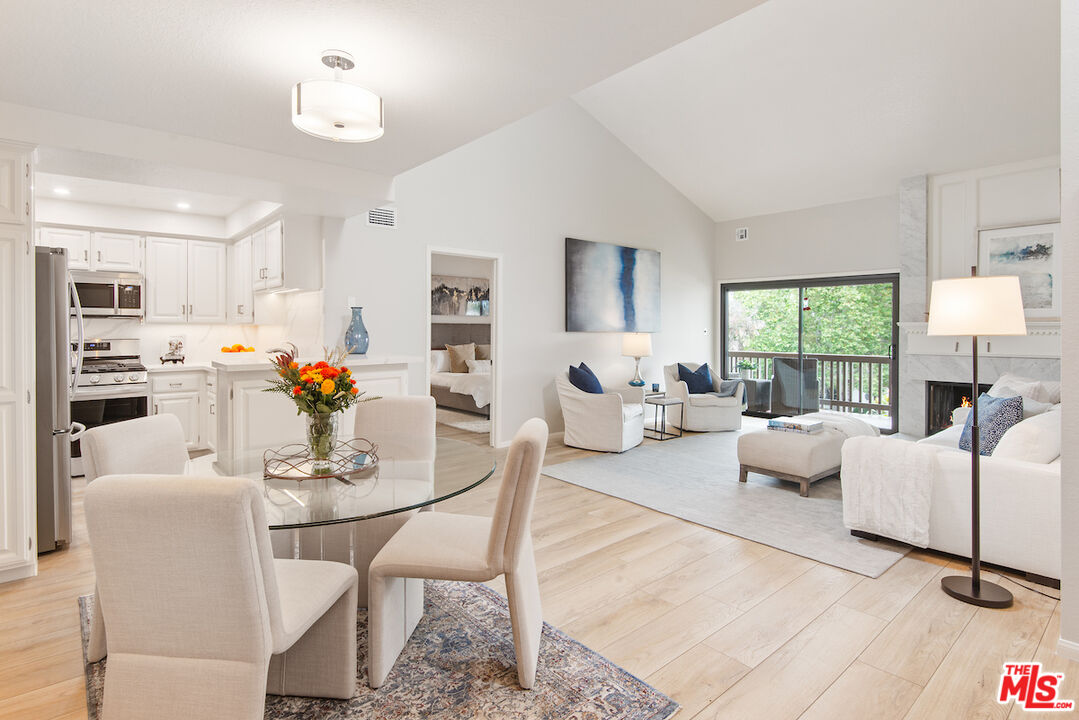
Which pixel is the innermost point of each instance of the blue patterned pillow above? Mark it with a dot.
(698, 381)
(584, 379)
(995, 416)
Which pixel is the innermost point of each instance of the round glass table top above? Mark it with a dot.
(392, 485)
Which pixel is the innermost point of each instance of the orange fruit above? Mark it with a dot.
(225, 349)
(249, 349)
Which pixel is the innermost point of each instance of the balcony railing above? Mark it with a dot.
(847, 383)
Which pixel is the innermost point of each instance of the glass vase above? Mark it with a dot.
(321, 438)
(357, 339)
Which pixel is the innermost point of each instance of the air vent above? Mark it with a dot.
(382, 217)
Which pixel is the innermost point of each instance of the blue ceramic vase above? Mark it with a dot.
(356, 337)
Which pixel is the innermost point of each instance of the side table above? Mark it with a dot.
(659, 424)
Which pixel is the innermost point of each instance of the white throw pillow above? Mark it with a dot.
(1043, 391)
(1031, 407)
(1036, 439)
(440, 361)
(479, 367)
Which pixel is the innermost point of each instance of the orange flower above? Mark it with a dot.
(344, 369)
(354, 390)
(352, 381)
(328, 386)
(294, 365)
(297, 390)
(322, 364)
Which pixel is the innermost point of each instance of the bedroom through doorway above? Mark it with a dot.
(462, 341)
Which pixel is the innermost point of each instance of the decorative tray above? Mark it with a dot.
(351, 458)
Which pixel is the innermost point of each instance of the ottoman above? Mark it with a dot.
(798, 457)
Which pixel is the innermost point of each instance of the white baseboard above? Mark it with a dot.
(1068, 649)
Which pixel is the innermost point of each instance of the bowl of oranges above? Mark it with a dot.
(237, 348)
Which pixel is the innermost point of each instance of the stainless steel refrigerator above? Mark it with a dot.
(54, 382)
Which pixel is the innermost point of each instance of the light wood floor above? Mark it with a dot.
(727, 627)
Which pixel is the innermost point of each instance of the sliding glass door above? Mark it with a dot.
(820, 344)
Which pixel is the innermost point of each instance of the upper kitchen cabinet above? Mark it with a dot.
(185, 280)
(241, 290)
(14, 186)
(287, 254)
(86, 250)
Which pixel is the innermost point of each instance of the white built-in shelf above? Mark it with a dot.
(1041, 341)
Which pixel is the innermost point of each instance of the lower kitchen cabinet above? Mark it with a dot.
(186, 406)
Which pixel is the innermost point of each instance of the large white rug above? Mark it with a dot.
(696, 478)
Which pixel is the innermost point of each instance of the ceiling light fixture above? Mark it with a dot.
(334, 109)
(61, 191)
(183, 205)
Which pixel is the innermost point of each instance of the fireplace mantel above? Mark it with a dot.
(1041, 341)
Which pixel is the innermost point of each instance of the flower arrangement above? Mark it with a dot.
(321, 391)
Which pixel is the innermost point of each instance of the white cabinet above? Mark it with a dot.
(185, 406)
(209, 416)
(267, 255)
(185, 280)
(75, 241)
(118, 252)
(18, 547)
(287, 254)
(206, 282)
(241, 286)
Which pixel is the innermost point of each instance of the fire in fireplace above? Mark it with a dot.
(941, 398)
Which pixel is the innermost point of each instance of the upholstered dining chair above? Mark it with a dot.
(402, 426)
(203, 622)
(151, 445)
(445, 546)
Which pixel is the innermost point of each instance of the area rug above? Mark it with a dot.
(460, 664)
(463, 420)
(696, 478)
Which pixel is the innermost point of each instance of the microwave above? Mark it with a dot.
(109, 294)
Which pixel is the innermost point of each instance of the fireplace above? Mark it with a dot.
(943, 397)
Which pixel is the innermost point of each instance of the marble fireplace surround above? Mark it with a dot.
(921, 358)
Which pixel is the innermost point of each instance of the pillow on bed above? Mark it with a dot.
(483, 352)
(440, 361)
(460, 355)
(479, 367)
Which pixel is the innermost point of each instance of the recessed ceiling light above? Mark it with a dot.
(183, 205)
(61, 191)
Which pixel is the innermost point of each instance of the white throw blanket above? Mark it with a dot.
(478, 385)
(887, 487)
(845, 423)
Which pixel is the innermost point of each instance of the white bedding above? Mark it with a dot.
(478, 385)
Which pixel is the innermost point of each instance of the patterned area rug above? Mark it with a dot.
(460, 664)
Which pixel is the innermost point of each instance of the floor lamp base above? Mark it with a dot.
(989, 595)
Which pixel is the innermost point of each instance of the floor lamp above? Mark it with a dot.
(976, 306)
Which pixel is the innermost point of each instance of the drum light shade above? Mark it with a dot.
(334, 109)
(977, 306)
(637, 345)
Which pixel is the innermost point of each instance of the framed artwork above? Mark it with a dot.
(1033, 253)
(611, 288)
(460, 296)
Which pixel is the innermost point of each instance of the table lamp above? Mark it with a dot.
(976, 306)
(637, 346)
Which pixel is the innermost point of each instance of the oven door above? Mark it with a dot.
(98, 406)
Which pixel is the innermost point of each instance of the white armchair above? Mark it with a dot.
(704, 413)
(609, 422)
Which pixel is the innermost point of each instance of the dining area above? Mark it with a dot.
(289, 581)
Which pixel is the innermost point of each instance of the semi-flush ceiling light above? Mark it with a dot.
(334, 109)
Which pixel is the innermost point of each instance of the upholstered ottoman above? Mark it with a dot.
(797, 457)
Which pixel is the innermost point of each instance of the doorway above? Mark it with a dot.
(804, 345)
(463, 341)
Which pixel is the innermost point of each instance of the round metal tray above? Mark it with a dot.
(351, 458)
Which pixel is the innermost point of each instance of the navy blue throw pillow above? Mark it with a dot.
(995, 417)
(584, 379)
(698, 381)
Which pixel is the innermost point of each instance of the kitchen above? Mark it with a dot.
(175, 297)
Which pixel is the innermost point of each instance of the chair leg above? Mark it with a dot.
(526, 615)
(322, 663)
(98, 647)
(386, 623)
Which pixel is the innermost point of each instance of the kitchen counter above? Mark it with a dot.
(174, 368)
(243, 362)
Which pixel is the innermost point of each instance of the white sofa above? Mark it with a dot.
(1020, 496)
(704, 412)
(612, 421)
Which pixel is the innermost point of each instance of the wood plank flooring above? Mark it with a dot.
(727, 627)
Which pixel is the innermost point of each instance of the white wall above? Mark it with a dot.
(1069, 217)
(520, 191)
(50, 211)
(844, 238)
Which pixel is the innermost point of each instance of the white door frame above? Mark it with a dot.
(496, 331)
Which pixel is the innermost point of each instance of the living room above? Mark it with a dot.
(744, 142)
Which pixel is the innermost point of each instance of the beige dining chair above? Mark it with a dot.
(402, 426)
(444, 546)
(203, 622)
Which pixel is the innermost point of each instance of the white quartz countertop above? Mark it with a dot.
(242, 362)
(188, 366)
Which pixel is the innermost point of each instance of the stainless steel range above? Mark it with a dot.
(111, 386)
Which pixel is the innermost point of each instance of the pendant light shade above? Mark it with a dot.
(334, 109)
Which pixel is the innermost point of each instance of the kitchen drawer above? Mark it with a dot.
(176, 382)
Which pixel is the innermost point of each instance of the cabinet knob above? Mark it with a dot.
(99, 256)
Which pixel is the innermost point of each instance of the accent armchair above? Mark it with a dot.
(795, 390)
(704, 412)
(612, 421)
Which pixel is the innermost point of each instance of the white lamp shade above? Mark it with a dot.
(336, 110)
(637, 345)
(977, 306)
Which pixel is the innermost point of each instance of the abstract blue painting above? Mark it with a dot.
(611, 288)
(1031, 253)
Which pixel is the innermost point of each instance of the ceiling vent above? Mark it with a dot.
(382, 217)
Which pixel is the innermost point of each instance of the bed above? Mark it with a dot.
(469, 392)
